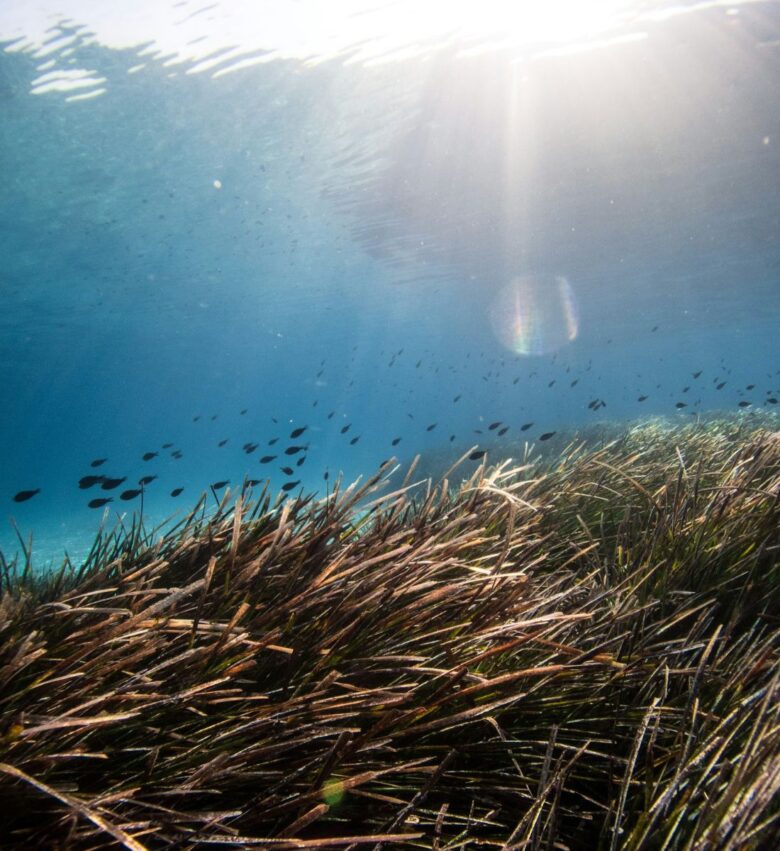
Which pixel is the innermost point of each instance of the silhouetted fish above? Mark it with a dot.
(288, 471)
(272, 441)
(288, 486)
(294, 450)
(503, 431)
(130, 494)
(176, 491)
(345, 428)
(253, 482)
(145, 480)
(477, 454)
(744, 404)
(98, 461)
(457, 398)
(297, 432)
(99, 503)
(431, 427)
(494, 426)
(23, 496)
(641, 398)
(679, 405)
(223, 442)
(89, 481)
(772, 400)
(219, 485)
(266, 459)
(395, 441)
(721, 385)
(354, 440)
(547, 435)
(110, 484)
(167, 445)
(301, 461)
(147, 456)
(696, 374)
(525, 426)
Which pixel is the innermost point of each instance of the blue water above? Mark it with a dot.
(298, 238)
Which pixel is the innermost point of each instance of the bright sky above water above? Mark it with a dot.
(246, 33)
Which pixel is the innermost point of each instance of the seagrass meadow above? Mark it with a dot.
(571, 651)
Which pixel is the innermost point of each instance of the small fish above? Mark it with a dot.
(457, 398)
(547, 435)
(431, 427)
(551, 383)
(195, 419)
(297, 432)
(266, 459)
(145, 480)
(477, 454)
(110, 484)
(147, 456)
(750, 387)
(696, 374)
(326, 475)
(744, 404)
(99, 503)
(167, 445)
(23, 496)
(503, 431)
(176, 454)
(574, 383)
(272, 441)
(253, 482)
(223, 442)
(219, 485)
(345, 428)
(452, 437)
(772, 400)
(243, 411)
(301, 461)
(721, 385)
(294, 450)
(680, 405)
(354, 440)
(494, 426)
(176, 491)
(654, 328)
(331, 415)
(395, 441)
(288, 486)
(641, 398)
(130, 494)
(525, 426)
(89, 481)
(98, 461)
(288, 471)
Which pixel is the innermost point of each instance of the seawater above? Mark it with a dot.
(209, 245)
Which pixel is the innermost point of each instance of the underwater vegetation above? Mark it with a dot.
(577, 650)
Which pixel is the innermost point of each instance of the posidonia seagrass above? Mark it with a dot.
(579, 651)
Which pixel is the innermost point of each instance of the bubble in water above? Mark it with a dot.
(535, 314)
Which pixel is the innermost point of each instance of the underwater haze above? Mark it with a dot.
(251, 242)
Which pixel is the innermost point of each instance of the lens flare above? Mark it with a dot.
(535, 314)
